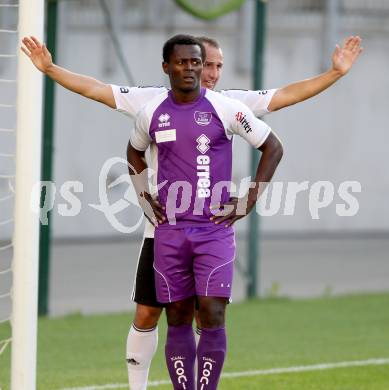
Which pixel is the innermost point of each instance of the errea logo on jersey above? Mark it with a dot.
(241, 118)
(164, 120)
(203, 143)
(203, 167)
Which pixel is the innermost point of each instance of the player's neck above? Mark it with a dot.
(183, 97)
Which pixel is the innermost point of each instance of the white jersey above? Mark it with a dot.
(130, 100)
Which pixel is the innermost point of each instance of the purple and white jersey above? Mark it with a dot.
(130, 100)
(194, 151)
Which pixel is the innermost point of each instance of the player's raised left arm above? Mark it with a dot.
(343, 59)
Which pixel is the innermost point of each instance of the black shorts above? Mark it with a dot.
(144, 286)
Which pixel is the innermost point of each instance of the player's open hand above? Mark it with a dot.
(153, 210)
(228, 213)
(38, 53)
(345, 56)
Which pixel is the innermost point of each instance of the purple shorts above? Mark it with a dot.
(193, 261)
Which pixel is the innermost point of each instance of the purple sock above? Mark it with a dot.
(180, 353)
(210, 357)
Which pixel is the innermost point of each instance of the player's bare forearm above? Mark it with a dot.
(136, 165)
(137, 168)
(272, 152)
(83, 85)
(302, 90)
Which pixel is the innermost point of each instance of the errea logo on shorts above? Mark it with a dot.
(164, 120)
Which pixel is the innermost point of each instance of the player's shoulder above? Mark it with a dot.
(238, 93)
(220, 98)
(148, 91)
(144, 88)
(222, 102)
(151, 106)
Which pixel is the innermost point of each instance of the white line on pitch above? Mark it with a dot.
(270, 371)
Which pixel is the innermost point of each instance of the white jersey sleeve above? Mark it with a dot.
(243, 122)
(238, 119)
(130, 100)
(139, 136)
(257, 101)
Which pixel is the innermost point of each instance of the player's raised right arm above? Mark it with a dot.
(83, 85)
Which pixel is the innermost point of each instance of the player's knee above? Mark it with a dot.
(180, 313)
(147, 317)
(212, 313)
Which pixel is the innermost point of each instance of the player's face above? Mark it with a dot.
(185, 67)
(213, 66)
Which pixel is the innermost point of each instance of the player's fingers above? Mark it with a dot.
(26, 41)
(152, 220)
(221, 220)
(221, 213)
(32, 43)
(160, 217)
(158, 204)
(158, 208)
(45, 51)
(354, 44)
(37, 43)
(347, 42)
(25, 51)
(232, 221)
(357, 44)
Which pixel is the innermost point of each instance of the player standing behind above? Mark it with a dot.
(195, 249)
(143, 336)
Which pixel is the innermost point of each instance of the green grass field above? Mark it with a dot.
(77, 351)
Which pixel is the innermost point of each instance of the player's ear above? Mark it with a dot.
(165, 66)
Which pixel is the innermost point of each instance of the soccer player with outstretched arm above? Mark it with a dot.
(195, 246)
(143, 335)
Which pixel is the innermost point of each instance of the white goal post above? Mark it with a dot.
(26, 232)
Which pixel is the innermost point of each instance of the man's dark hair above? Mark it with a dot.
(209, 41)
(181, 39)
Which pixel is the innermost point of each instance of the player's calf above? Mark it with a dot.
(212, 346)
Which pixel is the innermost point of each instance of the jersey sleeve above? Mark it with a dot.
(242, 122)
(257, 101)
(140, 137)
(130, 100)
